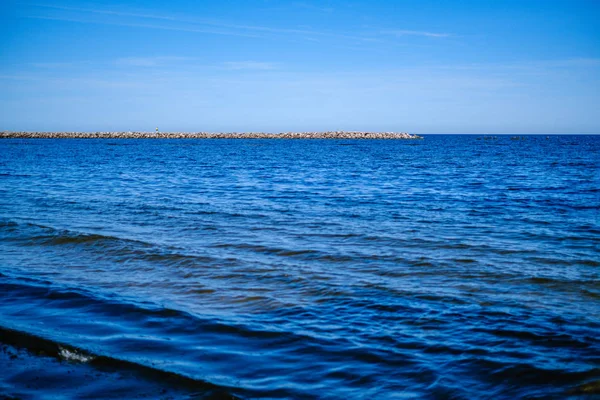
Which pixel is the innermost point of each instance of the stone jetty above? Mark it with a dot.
(207, 135)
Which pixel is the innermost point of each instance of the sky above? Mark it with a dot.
(419, 66)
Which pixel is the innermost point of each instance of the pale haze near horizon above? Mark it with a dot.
(415, 66)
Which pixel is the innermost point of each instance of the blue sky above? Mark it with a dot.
(420, 66)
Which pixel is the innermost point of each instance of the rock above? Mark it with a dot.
(206, 135)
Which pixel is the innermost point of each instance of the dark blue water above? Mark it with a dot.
(449, 267)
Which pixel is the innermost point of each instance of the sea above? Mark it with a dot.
(451, 267)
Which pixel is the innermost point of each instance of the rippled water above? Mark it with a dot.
(449, 267)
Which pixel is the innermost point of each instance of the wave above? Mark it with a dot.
(37, 234)
(33, 235)
(78, 326)
(39, 345)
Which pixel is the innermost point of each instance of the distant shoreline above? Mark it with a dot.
(207, 135)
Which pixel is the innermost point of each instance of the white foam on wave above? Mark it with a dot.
(69, 355)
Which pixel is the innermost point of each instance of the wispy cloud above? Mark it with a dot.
(202, 25)
(313, 7)
(146, 25)
(249, 65)
(52, 65)
(415, 33)
(150, 61)
(20, 77)
(577, 62)
(209, 26)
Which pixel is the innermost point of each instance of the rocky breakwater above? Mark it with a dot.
(207, 135)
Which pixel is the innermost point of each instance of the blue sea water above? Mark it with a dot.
(461, 267)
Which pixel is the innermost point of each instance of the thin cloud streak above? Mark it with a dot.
(231, 29)
(312, 7)
(149, 61)
(148, 26)
(52, 65)
(249, 65)
(415, 33)
(191, 21)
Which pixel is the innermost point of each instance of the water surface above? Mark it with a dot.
(449, 267)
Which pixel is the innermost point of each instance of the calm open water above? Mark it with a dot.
(449, 267)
